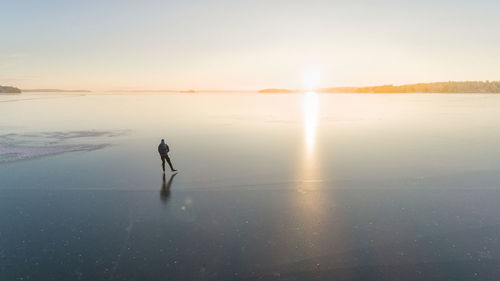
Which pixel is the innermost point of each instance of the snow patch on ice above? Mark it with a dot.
(15, 147)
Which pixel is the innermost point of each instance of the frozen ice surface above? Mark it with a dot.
(270, 187)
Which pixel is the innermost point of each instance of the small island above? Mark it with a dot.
(188, 92)
(9, 90)
(276, 91)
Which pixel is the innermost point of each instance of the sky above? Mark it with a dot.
(247, 45)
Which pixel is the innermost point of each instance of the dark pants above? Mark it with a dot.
(163, 158)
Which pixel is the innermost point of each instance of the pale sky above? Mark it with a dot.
(222, 44)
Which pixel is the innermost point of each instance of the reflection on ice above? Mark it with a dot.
(310, 120)
(165, 187)
(309, 169)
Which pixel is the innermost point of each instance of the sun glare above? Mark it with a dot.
(311, 79)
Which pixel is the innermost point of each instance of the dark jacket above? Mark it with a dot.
(163, 149)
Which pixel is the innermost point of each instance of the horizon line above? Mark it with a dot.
(55, 89)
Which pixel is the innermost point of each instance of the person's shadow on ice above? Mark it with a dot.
(165, 187)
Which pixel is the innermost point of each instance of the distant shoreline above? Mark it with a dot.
(54, 91)
(180, 91)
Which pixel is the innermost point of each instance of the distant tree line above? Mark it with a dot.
(437, 87)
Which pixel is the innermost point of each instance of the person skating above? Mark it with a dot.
(163, 149)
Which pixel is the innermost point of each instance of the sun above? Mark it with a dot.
(311, 79)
